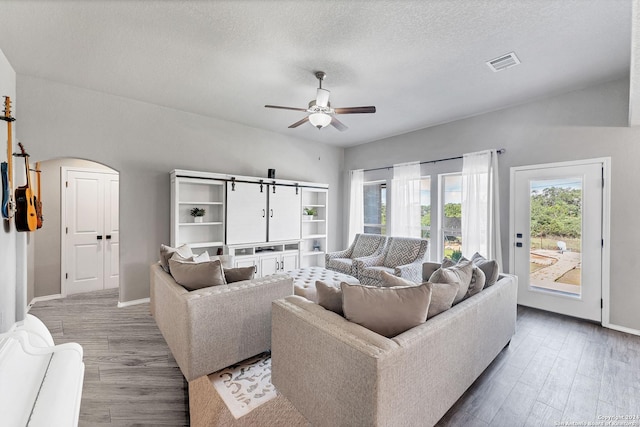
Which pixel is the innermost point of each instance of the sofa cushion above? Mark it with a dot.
(459, 274)
(166, 252)
(386, 311)
(442, 294)
(194, 276)
(329, 297)
(238, 274)
(489, 268)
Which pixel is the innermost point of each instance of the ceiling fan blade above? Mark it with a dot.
(355, 110)
(322, 97)
(299, 122)
(285, 108)
(338, 124)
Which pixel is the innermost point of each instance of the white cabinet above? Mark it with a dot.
(314, 227)
(246, 213)
(256, 220)
(188, 193)
(260, 212)
(266, 260)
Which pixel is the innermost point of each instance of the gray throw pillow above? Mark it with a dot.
(238, 274)
(489, 268)
(478, 281)
(166, 252)
(459, 274)
(442, 295)
(386, 311)
(194, 276)
(329, 297)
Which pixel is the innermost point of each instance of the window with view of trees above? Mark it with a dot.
(375, 207)
(452, 215)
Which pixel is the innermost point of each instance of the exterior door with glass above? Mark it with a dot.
(556, 237)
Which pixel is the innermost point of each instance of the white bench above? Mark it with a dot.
(40, 383)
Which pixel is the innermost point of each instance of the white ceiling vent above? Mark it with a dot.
(503, 62)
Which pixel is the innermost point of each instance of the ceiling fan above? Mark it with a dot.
(321, 112)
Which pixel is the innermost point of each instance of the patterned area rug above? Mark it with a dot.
(245, 385)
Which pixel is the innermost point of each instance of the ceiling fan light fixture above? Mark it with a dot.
(320, 120)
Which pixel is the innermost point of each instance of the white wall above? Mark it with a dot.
(144, 143)
(11, 292)
(583, 124)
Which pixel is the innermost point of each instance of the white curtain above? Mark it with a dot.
(481, 206)
(405, 200)
(356, 204)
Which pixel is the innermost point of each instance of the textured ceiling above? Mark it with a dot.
(420, 63)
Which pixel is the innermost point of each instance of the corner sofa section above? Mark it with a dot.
(339, 373)
(214, 327)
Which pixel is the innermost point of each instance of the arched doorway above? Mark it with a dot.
(52, 261)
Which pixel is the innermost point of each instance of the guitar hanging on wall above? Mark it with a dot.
(6, 168)
(39, 198)
(26, 217)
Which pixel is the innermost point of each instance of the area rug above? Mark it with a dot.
(208, 409)
(245, 385)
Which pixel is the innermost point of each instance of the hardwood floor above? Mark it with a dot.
(556, 369)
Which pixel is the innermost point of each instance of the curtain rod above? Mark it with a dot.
(500, 151)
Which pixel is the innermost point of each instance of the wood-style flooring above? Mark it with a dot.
(556, 369)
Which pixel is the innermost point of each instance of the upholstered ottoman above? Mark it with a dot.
(304, 280)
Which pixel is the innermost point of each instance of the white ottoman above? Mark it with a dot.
(304, 280)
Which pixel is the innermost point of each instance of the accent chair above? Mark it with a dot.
(363, 245)
(402, 257)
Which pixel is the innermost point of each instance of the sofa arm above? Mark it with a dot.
(368, 261)
(412, 272)
(318, 357)
(338, 254)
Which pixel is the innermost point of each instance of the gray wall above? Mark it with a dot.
(144, 142)
(11, 291)
(583, 124)
(44, 247)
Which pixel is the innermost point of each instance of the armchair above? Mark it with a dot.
(362, 246)
(402, 257)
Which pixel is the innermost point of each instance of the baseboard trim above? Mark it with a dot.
(44, 298)
(622, 329)
(134, 302)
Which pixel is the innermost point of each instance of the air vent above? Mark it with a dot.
(503, 62)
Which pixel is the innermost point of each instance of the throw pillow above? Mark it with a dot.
(390, 280)
(478, 281)
(194, 276)
(459, 274)
(166, 252)
(386, 311)
(329, 297)
(238, 274)
(442, 296)
(489, 268)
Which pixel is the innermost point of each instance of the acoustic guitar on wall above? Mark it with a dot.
(26, 217)
(6, 168)
(39, 198)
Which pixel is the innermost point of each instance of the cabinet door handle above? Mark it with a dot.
(255, 269)
(277, 266)
(99, 237)
(271, 212)
(263, 213)
(108, 236)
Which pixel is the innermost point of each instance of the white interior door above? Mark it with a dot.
(246, 213)
(90, 232)
(285, 213)
(112, 231)
(557, 237)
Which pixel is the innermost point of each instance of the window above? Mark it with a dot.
(451, 214)
(425, 208)
(375, 207)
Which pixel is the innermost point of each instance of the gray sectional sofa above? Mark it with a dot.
(336, 372)
(211, 328)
